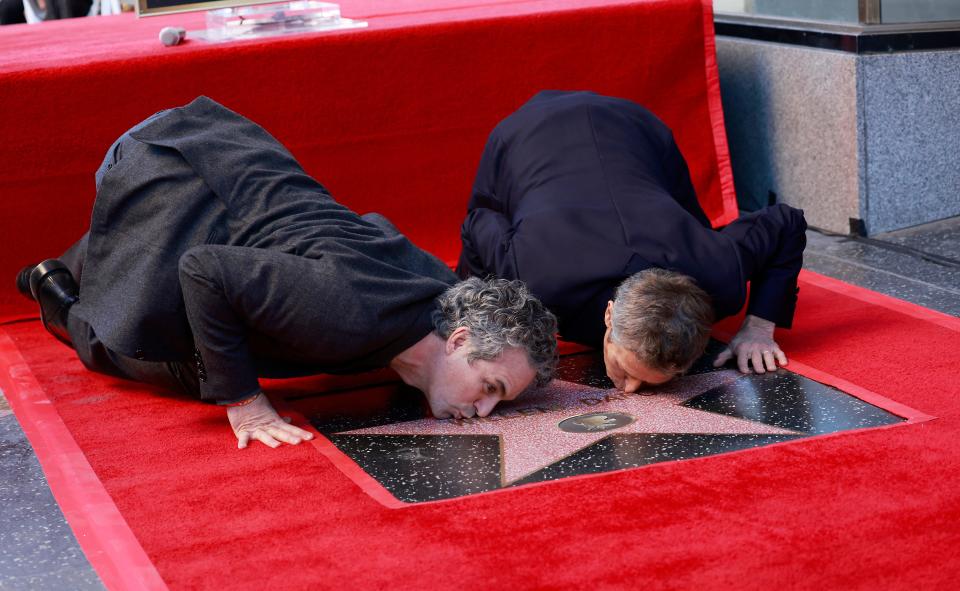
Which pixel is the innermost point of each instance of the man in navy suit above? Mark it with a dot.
(588, 200)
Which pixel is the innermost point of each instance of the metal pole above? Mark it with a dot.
(870, 12)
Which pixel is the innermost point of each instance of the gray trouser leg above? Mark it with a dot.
(74, 257)
(173, 375)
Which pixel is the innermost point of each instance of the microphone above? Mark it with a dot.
(171, 36)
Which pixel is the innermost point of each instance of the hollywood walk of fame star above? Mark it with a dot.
(529, 428)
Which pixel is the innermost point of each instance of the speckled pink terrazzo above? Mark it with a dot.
(531, 438)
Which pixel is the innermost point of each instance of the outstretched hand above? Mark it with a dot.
(258, 420)
(754, 344)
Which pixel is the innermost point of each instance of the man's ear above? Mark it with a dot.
(460, 337)
(608, 314)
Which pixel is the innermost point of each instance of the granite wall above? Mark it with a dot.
(910, 120)
(791, 116)
(844, 136)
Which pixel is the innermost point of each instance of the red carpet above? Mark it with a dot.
(869, 509)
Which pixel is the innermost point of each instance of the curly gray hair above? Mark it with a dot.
(500, 313)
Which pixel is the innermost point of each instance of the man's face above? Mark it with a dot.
(627, 372)
(462, 389)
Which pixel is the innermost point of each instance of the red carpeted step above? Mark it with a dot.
(392, 118)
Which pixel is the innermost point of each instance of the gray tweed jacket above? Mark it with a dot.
(208, 238)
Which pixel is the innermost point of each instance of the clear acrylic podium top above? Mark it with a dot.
(271, 20)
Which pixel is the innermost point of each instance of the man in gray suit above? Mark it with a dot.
(213, 259)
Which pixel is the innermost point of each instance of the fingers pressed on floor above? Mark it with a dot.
(265, 438)
(298, 432)
(281, 434)
(769, 361)
(722, 358)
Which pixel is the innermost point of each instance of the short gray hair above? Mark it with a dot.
(663, 317)
(500, 313)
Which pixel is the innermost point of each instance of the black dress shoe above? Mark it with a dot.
(23, 281)
(54, 287)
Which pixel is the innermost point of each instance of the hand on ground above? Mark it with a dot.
(258, 420)
(753, 344)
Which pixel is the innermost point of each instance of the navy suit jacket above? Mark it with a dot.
(576, 192)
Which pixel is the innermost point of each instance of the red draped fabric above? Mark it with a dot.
(392, 118)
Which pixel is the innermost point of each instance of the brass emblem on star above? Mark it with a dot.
(595, 421)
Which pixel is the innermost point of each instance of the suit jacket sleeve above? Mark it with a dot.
(486, 232)
(771, 243)
(486, 240)
(229, 291)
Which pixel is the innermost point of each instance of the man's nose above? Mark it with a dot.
(485, 405)
(632, 385)
(617, 383)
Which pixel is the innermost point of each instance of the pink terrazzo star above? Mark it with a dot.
(530, 438)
